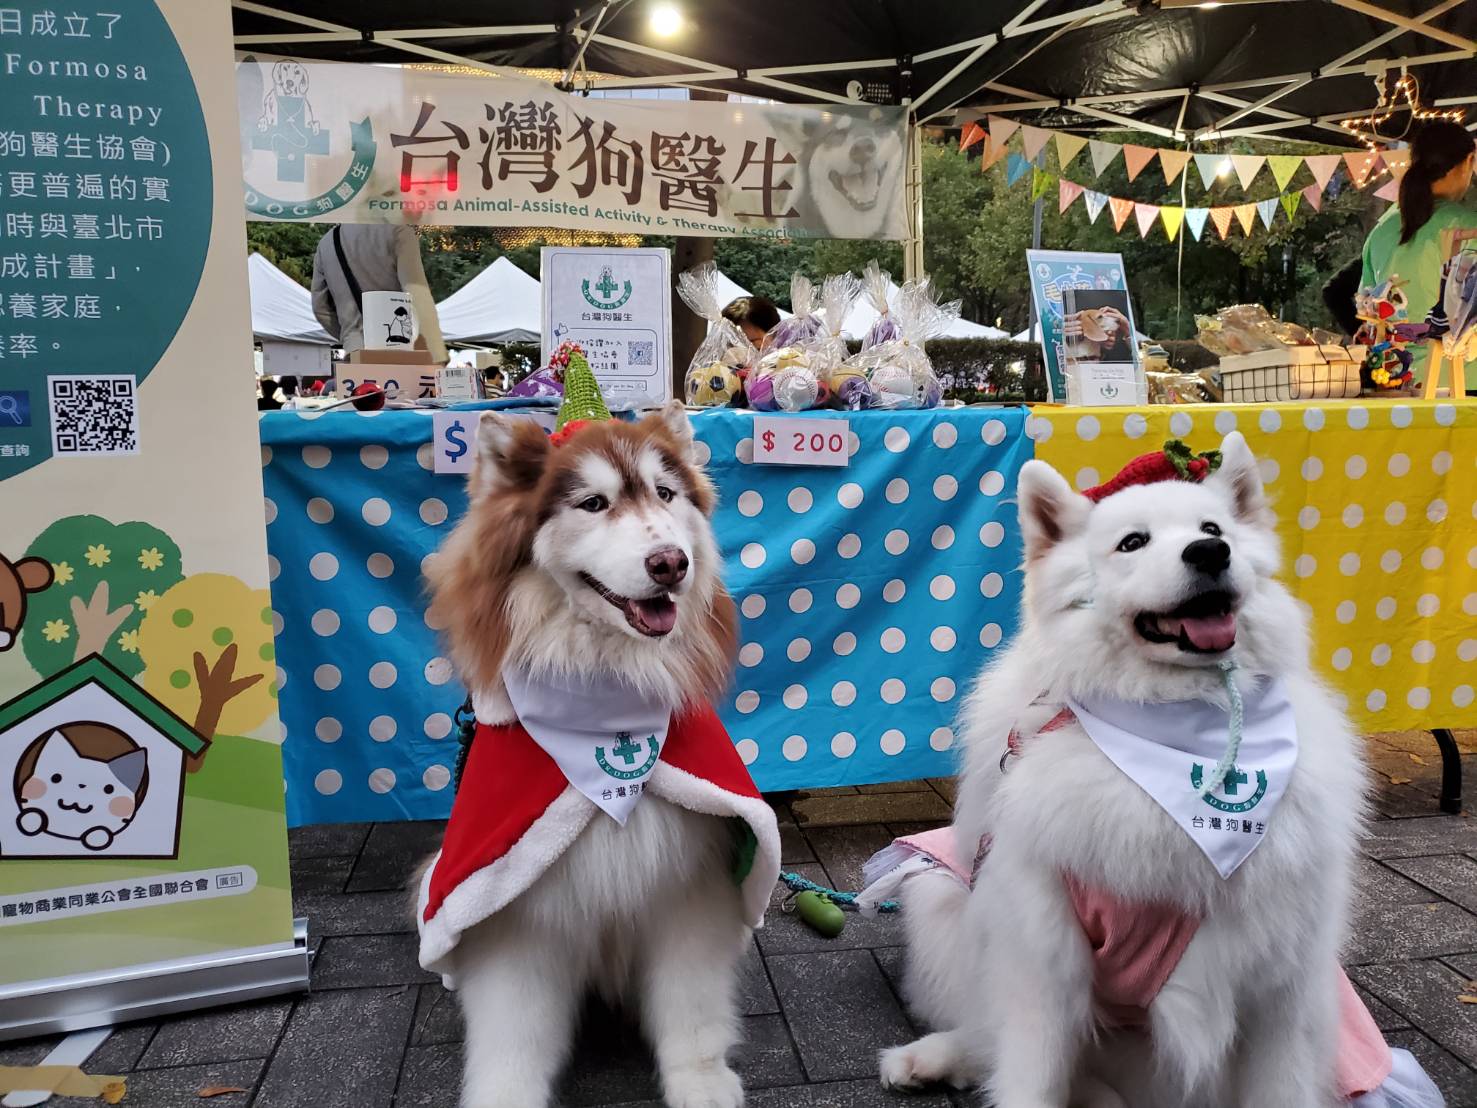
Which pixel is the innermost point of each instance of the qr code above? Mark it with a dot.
(93, 415)
(640, 353)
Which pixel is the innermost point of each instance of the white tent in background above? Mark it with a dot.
(729, 291)
(281, 309)
(862, 315)
(500, 304)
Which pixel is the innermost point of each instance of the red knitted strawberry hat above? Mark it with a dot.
(1176, 462)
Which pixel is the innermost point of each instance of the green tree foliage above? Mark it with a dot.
(108, 575)
(288, 246)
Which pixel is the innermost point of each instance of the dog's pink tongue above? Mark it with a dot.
(659, 614)
(1211, 633)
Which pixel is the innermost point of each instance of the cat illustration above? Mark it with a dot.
(82, 781)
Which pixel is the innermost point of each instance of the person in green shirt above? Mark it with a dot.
(1406, 242)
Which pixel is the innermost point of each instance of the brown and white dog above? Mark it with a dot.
(596, 556)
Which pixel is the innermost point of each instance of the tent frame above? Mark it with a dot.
(1255, 117)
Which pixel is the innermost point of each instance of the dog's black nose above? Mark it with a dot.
(863, 150)
(666, 566)
(1209, 556)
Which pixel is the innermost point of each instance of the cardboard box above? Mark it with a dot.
(392, 357)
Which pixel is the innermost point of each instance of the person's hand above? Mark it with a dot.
(1117, 317)
(1072, 326)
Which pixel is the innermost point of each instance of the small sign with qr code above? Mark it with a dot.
(96, 416)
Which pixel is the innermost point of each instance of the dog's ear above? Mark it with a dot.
(1050, 510)
(1239, 477)
(511, 451)
(673, 417)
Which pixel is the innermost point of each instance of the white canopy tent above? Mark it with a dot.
(281, 309)
(862, 315)
(500, 304)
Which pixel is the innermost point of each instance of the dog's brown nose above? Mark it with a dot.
(666, 566)
(863, 151)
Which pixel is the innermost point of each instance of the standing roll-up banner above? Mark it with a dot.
(143, 843)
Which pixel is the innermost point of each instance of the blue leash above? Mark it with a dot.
(798, 884)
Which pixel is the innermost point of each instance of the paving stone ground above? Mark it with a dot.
(377, 1032)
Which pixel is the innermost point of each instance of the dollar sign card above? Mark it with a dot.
(455, 437)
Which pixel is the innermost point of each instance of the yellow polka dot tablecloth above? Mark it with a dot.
(1377, 509)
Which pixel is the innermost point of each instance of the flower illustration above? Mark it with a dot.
(55, 630)
(64, 572)
(151, 558)
(99, 555)
(128, 641)
(144, 600)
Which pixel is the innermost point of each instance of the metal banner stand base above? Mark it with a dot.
(101, 999)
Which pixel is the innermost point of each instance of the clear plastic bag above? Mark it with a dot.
(803, 325)
(795, 375)
(875, 286)
(715, 374)
(1239, 329)
(899, 373)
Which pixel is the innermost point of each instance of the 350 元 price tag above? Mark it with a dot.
(793, 441)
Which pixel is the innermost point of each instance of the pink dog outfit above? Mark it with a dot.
(1136, 948)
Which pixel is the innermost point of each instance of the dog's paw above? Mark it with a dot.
(703, 1087)
(932, 1060)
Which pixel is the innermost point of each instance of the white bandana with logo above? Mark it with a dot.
(605, 736)
(1169, 749)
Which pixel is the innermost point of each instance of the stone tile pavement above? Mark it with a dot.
(376, 1032)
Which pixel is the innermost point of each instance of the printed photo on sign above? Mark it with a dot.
(95, 767)
(1098, 325)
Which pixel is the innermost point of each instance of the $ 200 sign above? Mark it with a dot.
(797, 441)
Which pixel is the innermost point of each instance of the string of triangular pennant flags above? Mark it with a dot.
(1362, 166)
(1171, 216)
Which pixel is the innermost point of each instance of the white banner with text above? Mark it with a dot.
(338, 142)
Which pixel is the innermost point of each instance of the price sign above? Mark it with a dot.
(454, 438)
(454, 441)
(791, 441)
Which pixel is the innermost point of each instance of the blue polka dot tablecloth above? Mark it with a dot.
(870, 597)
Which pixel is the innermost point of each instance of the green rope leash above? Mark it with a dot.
(800, 884)
(1233, 743)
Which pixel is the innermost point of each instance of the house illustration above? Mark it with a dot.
(91, 766)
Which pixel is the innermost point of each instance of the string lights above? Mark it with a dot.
(1403, 95)
(513, 237)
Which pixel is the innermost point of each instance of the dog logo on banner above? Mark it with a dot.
(288, 129)
(628, 750)
(1231, 787)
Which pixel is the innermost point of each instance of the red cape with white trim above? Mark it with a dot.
(516, 814)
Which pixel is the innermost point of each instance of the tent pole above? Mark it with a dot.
(913, 267)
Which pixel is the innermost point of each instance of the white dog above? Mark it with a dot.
(592, 843)
(1102, 959)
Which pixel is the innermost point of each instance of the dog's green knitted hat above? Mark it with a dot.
(583, 402)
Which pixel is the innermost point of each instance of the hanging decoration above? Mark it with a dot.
(1403, 96)
(1362, 165)
(1136, 157)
